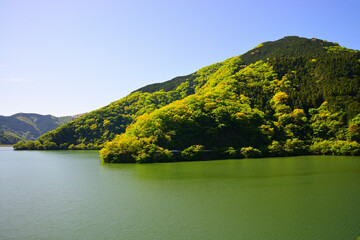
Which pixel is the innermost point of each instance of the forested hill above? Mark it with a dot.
(293, 47)
(168, 85)
(291, 96)
(28, 126)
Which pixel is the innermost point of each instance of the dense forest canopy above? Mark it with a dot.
(287, 97)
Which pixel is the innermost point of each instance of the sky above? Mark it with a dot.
(74, 56)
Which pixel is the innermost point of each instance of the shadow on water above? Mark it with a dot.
(243, 168)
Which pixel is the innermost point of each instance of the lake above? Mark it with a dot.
(71, 195)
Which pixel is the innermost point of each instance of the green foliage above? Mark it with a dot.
(123, 149)
(8, 138)
(131, 149)
(338, 49)
(35, 145)
(295, 146)
(216, 116)
(168, 85)
(250, 152)
(291, 46)
(153, 153)
(325, 124)
(354, 129)
(276, 149)
(231, 153)
(193, 153)
(94, 129)
(338, 147)
(19, 146)
(334, 78)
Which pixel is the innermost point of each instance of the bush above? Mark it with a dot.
(322, 147)
(295, 146)
(30, 145)
(50, 146)
(113, 153)
(231, 153)
(193, 153)
(130, 149)
(20, 145)
(336, 148)
(276, 149)
(250, 152)
(64, 146)
(80, 146)
(71, 147)
(153, 153)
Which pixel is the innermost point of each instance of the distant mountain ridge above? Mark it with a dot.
(28, 126)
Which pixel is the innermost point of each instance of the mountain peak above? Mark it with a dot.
(289, 46)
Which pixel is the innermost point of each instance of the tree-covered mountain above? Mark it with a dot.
(28, 126)
(9, 138)
(92, 130)
(287, 97)
(286, 47)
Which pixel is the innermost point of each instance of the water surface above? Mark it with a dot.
(71, 195)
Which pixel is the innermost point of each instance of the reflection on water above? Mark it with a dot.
(241, 168)
(71, 195)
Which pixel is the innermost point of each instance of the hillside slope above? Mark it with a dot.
(292, 46)
(288, 95)
(92, 130)
(28, 126)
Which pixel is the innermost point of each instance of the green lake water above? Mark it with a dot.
(71, 195)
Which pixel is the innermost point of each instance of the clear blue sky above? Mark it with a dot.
(73, 56)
